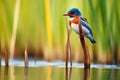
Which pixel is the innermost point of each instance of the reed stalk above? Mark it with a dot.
(116, 53)
(0, 58)
(6, 57)
(48, 18)
(48, 22)
(85, 49)
(68, 46)
(26, 59)
(0, 52)
(26, 63)
(15, 23)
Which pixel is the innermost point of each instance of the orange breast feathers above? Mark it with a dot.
(75, 20)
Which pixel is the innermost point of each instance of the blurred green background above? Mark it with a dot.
(39, 27)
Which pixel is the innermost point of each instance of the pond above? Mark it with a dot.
(56, 70)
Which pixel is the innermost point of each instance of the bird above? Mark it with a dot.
(75, 18)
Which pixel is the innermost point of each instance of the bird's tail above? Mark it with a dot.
(93, 41)
(90, 37)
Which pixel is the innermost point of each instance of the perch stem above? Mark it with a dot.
(85, 50)
(68, 46)
(70, 52)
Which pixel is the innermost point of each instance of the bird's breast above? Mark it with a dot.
(75, 27)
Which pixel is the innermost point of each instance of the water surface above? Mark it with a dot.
(42, 70)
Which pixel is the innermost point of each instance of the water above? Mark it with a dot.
(42, 70)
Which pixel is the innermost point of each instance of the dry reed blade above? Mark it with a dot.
(26, 63)
(15, 23)
(26, 59)
(85, 49)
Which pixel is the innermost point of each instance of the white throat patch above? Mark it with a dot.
(72, 18)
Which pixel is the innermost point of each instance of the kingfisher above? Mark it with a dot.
(75, 18)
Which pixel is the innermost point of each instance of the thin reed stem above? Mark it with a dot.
(26, 59)
(70, 52)
(6, 58)
(68, 46)
(0, 58)
(26, 54)
(0, 52)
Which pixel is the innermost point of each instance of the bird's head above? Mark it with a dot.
(73, 12)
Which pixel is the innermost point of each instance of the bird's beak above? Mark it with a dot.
(66, 14)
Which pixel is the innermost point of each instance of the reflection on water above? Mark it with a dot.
(26, 72)
(69, 73)
(86, 73)
(58, 73)
(6, 73)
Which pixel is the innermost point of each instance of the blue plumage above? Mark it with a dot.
(75, 11)
(90, 35)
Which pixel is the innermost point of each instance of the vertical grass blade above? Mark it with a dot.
(15, 22)
(48, 22)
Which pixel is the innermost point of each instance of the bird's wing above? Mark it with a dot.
(84, 19)
(85, 24)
